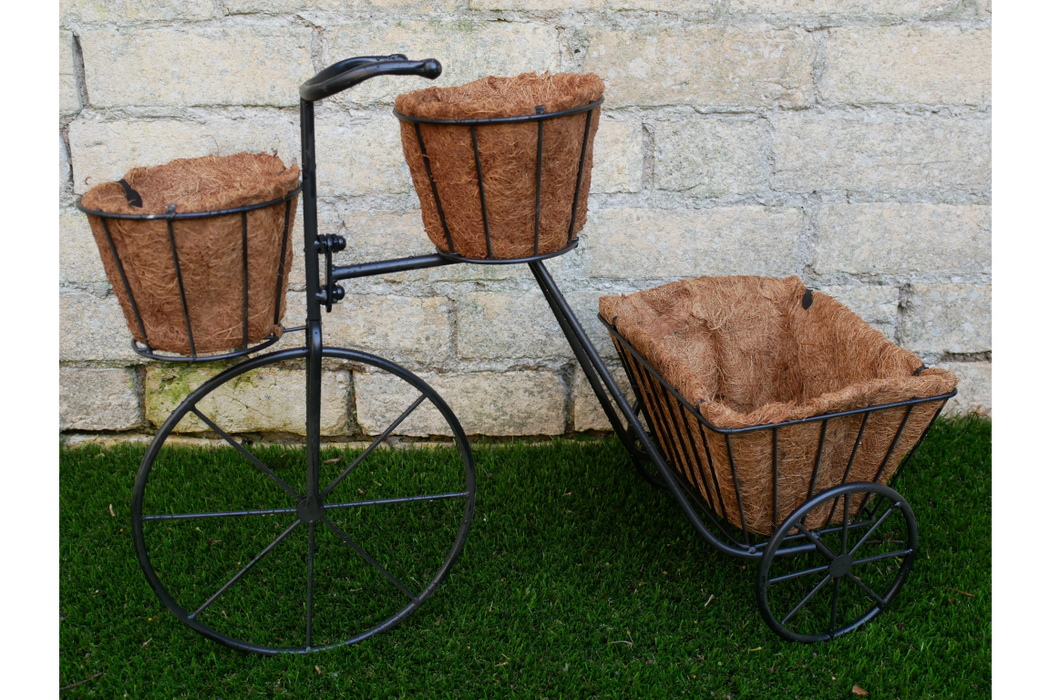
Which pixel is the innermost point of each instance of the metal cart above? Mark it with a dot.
(865, 558)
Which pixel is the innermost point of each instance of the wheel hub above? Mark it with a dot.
(310, 509)
(840, 565)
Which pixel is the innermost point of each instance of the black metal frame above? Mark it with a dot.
(696, 500)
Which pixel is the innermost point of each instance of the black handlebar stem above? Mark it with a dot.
(351, 71)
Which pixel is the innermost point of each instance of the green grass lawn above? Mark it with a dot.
(578, 580)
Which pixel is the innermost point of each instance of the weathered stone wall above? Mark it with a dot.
(844, 141)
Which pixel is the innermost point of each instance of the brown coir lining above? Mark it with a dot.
(209, 250)
(508, 161)
(746, 352)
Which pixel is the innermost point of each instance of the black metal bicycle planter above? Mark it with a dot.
(861, 562)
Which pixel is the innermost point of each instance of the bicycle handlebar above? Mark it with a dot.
(351, 71)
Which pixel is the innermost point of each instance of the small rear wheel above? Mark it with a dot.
(823, 575)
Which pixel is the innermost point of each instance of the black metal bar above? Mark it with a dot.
(805, 600)
(889, 453)
(539, 172)
(313, 409)
(251, 458)
(922, 438)
(237, 577)
(124, 279)
(367, 557)
(539, 116)
(709, 513)
(244, 260)
(799, 574)
(629, 444)
(280, 265)
(351, 71)
(179, 216)
(628, 439)
(696, 453)
(579, 173)
(816, 463)
(819, 543)
(849, 467)
(220, 514)
(659, 425)
(776, 480)
(310, 243)
(799, 535)
(845, 521)
(310, 589)
(434, 189)
(880, 557)
(481, 189)
(386, 267)
(682, 443)
(375, 443)
(182, 291)
(834, 604)
(585, 364)
(736, 489)
(388, 501)
(871, 594)
(873, 528)
(155, 355)
(711, 468)
(456, 257)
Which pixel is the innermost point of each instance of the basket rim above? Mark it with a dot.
(172, 215)
(541, 116)
(695, 411)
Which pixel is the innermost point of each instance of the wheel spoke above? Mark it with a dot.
(805, 600)
(383, 436)
(878, 557)
(882, 519)
(870, 593)
(834, 605)
(237, 577)
(798, 574)
(357, 548)
(310, 589)
(404, 499)
(873, 507)
(220, 514)
(821, 547)
(845, 518)
(251, 458)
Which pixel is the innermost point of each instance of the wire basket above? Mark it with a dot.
(206, 284)
(753, 468)
(502, 165)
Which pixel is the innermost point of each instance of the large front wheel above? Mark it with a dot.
(235, 550)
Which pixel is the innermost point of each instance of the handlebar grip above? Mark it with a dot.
(351, 71)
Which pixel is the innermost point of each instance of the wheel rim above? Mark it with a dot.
(351, 566)
(821, 577)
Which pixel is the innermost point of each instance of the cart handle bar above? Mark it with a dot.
(351, 71)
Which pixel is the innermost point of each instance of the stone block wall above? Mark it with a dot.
(844, 141)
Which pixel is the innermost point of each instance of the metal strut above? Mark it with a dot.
(588, 358)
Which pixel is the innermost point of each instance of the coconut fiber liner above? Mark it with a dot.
(507, 153)
(746, 351)
(210, 251)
